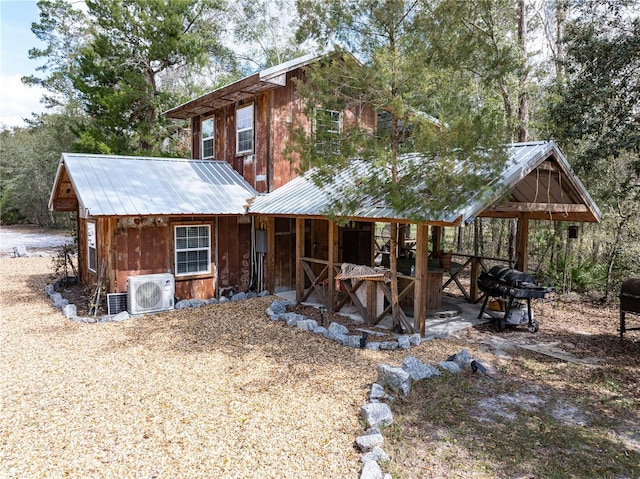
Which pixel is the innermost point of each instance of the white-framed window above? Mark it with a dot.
(208, 142)
(193, 249)
(244, 129)
(92, 251)
(328, 125)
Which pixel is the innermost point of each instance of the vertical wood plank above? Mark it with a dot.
(475, 273)
(299, 255)
(421, 278)
(333, 238)
(523, 242)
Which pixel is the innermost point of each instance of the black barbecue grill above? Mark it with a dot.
(629, 302)
(510, 284)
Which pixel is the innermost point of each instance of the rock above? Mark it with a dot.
(336, 329)
(55, 296)
(213, 301)
(373, 345)
(49, 289)
(462, 359)
(85, 319)
(182, 304)
(292, 319)
(351, 341)
(197, 303)
(417, 369)
(60, 303)
(223, 299)
(320, 330)
(70, 311)
(396, 378)
(389, 345)
(252, 294)
(369, 441)
(415, 339)
(403, 342)
(263, 293)
(123, 316)
(371, 470)
(239, 297)
(377, 392)
(307, 324)
(278, 307)
(450, 366)
(376, 454)
(377, 414)
(20, 251)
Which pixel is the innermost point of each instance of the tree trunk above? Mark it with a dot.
(523, 97)
(396, 312)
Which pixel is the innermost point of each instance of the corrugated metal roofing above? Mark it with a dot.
(301, 197)
(107, 185)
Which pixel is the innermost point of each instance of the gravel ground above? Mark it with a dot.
(220, 391)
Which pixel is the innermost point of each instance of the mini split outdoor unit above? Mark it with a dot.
(150, 293)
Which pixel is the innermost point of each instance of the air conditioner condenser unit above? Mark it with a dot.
(150, 293)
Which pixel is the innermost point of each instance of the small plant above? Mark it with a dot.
(64, 266)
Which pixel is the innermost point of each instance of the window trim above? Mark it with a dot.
(329, 131)
(92, 250)
(241, 130)
(177, 250)
(212, 138)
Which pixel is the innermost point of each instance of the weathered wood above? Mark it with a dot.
(333, 259)
(299, 256)
(541, 207)
(523, 242)
(475, 273)
(421, 289)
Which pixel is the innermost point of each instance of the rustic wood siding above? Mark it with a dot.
(234, 248)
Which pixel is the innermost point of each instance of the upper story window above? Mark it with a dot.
(208, 143)
(328, 126)
(244, 130)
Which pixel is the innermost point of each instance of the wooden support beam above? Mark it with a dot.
(299, 255)
(421, 278)
(475, 273)
(517, 207)
(333, 258)
(522, 245)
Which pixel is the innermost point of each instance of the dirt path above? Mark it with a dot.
(35, 240)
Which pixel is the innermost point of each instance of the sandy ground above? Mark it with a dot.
(34, 239)
(221, 391)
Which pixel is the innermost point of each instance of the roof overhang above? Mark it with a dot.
(240, 90)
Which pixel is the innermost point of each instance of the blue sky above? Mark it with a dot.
(16, 100)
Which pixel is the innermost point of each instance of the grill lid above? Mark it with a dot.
(511, 277)
(631, 288)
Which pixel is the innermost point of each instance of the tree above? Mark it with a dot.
(133, 43)
(596, 116)
(264, 31)
(29, 158)
(64, 30)
(431, 106)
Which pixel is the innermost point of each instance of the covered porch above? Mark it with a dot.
(537, 184)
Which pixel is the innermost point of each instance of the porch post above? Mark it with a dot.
(523, 242)
(421, 278)
(333, 258)
(299, 255)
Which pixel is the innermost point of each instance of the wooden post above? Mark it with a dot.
(437, 239)
(372, 302)
(475, 272)
(270, 260)
(333, 259)
(299, 255)
(523, 242)
(421, 278)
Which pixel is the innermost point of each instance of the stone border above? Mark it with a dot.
(336, 331)
(377, 412)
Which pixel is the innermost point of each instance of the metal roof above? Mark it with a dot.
(107, 185)
(537, 179)
(246, 87)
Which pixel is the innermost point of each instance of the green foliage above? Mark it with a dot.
(28, 162)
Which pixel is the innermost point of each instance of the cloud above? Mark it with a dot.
(18, 101)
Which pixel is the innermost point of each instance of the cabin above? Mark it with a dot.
(237, 216)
